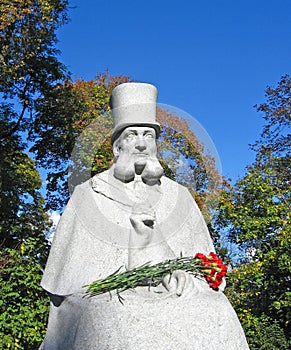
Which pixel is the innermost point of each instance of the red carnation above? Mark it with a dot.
(200, 256)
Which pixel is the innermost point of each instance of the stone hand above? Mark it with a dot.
(177, 281)
(146, 241)
(143, 222)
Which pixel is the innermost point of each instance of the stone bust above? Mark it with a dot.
(126, 216)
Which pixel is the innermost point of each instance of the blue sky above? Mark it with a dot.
(212, 59)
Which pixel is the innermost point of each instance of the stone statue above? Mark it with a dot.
(126, 216)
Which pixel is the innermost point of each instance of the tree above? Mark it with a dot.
(22, 211)
(29, 69)
(256, 213)
(23, 248)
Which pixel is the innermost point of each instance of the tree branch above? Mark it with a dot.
(24, 108)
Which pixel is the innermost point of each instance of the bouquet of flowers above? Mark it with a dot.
(209, 267)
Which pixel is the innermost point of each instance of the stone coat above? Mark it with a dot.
(91, 242)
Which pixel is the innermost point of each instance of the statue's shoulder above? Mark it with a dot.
(101, 177)
(166, 182)
(101, 182)
(174, 189)
(89, 185)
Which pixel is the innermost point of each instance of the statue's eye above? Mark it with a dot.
(130, 134)
(149, 135)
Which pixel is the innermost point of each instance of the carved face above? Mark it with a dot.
(135, 153)
(138, 142)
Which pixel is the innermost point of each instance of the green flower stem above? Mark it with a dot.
(152, 275)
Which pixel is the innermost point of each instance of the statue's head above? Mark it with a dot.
(135, 132)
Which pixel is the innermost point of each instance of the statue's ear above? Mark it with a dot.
(115, 149)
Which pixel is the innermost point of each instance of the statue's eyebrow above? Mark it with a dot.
(130, 130)
(150, 131)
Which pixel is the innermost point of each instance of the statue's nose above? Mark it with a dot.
(140, 145)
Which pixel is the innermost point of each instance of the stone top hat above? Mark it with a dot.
(133, 104)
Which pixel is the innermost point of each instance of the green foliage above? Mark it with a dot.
(22, 212)
(256, 213)
(24, 250)
(29, 69)
(268, 335)
(263, 333)
(275, 138)
(27, 52)
(24, 305)
(103, 159)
